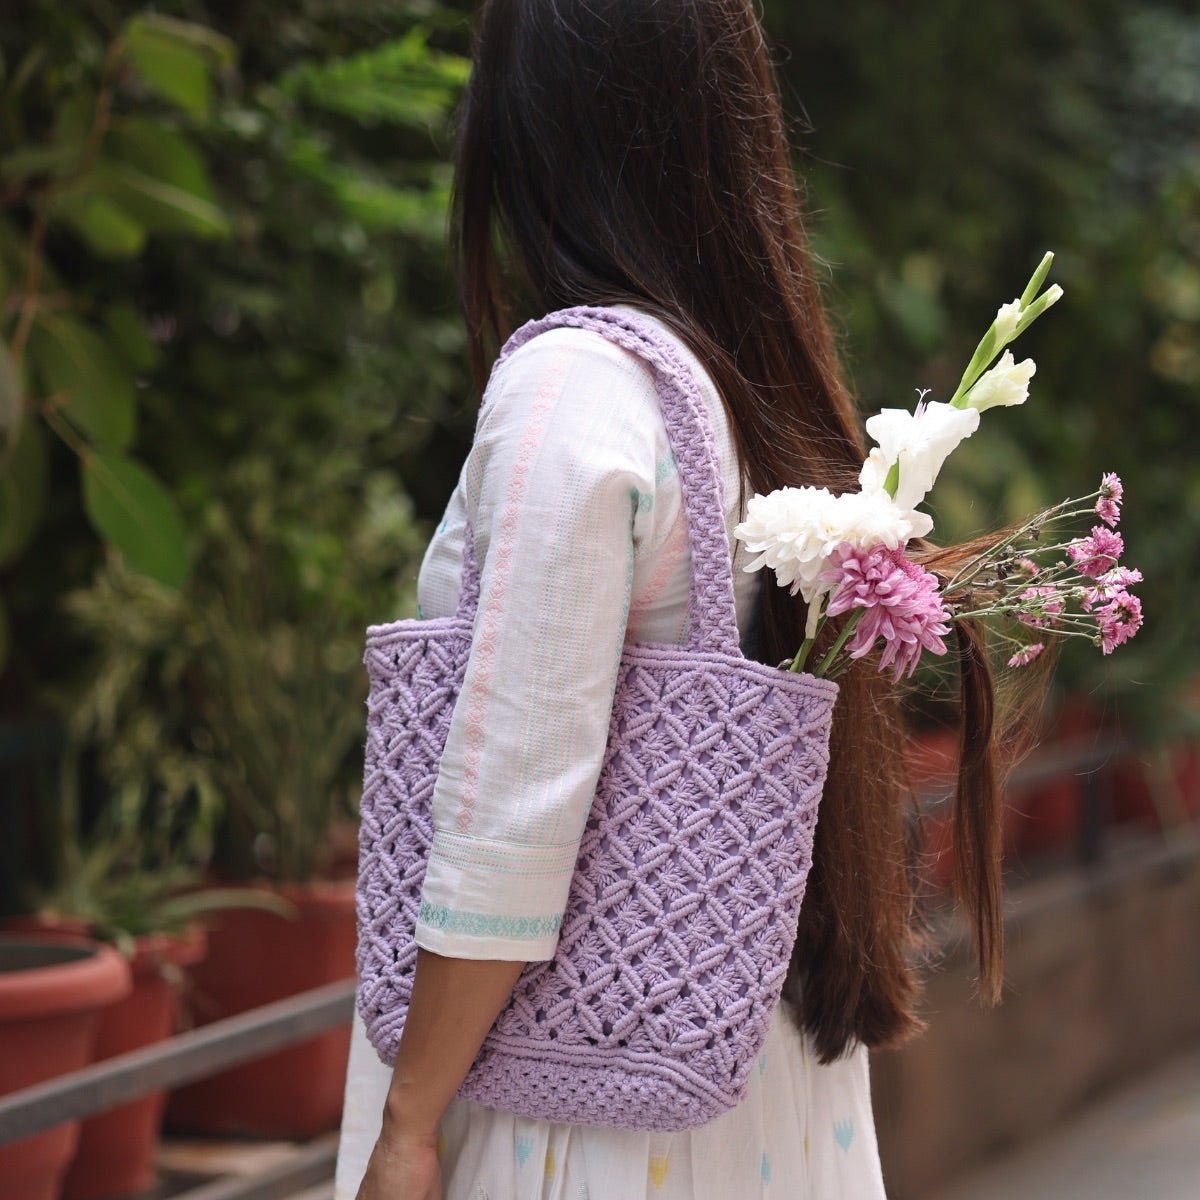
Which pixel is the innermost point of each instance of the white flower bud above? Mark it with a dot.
(1007, 318)
(1007, 383)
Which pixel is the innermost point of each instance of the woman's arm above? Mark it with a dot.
(454, 1003)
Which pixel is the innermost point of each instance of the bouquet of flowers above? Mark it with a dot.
(847, 555)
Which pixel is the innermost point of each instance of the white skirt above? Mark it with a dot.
(803, 1132)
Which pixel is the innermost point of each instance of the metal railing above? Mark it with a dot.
(196, 1054)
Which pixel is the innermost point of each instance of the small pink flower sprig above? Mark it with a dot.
(1060, 586)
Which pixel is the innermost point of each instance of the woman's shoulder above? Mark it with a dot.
(584, 354)
(596, 364)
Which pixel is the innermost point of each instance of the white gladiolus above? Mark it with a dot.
(1007, 317)
(920, 442)
(795, 530)
(1007, 383)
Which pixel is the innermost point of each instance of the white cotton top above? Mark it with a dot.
(572, 494)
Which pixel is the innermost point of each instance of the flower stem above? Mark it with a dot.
(802, 654)
(847, 630)
(1058, 512)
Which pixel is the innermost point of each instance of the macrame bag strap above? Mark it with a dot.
(712, 615)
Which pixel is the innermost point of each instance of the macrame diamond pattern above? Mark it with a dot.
(682, 912)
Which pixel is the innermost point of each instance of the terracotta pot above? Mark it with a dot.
(1187, 778)
(1047, 817)
(937, 848)
(52, 992)
(254, 958)
(49, 926)
(117, 1148)
(1176, 779)
(931, 762)
(931, 759)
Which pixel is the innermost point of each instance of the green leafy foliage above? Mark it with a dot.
(109, 881)
(401, 82)
(265, 276)
(234, 706)
(96, 164)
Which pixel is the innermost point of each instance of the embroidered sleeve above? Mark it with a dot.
(555, 487)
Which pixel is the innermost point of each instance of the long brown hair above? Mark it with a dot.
(633, 151)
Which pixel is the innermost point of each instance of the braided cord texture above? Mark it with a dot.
(682, 911)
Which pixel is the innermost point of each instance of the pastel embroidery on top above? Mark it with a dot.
(524, 1149)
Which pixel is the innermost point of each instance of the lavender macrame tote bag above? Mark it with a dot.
(682, 911)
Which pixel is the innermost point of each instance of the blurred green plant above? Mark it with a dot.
(231, 711)
(94, 159)
(296, 367)
(111, 882)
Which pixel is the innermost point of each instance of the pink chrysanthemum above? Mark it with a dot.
(1026, 655)
(1048, 607)
(1108, 507)
(901, 603)
(1095, 555)
(1119, 620)
(1028, 566)
(1109, 586)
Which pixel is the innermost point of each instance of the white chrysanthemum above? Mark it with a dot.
(1007, 383)
(920, 442)
(795, 530)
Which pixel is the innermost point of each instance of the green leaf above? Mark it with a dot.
(176, 72)
(219, 50)
(131, 338)
(161, 206)
(160, 151)
(23, 484)
(151, 178)
(176, 59)
(132, 509)
(93, 387)
(106, 228)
